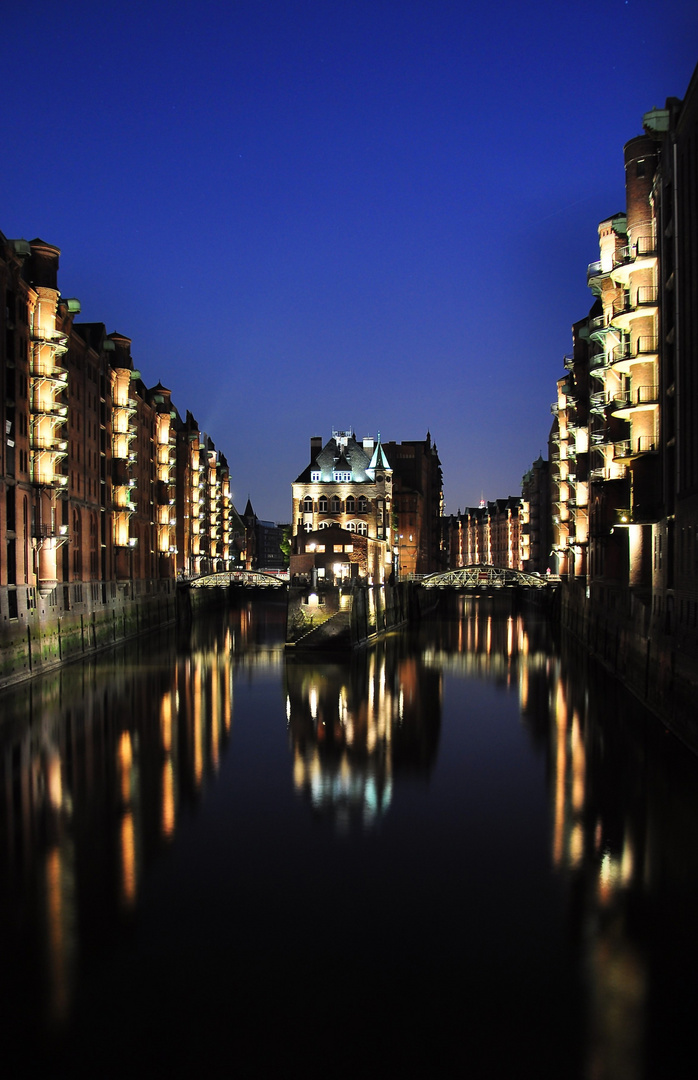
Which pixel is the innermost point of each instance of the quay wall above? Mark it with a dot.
(622, 636)
(378, 608)
(330, 617)
(75, 621)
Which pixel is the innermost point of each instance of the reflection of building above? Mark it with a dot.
(347, 485)
(95, 766)
(356, 727)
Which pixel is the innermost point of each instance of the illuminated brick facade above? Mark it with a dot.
(489, 534)
(104, 490)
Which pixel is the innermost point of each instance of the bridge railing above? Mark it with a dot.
(482, 576)
(247, 578)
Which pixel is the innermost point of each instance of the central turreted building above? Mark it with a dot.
(347, 487)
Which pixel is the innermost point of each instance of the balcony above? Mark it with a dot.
(598, 328)
(643, 306)
(48, 407)
(52, 337)
(47, 444)
(624, 356)
(644, 399)
(594, 276)
(604, 473)
(43, 532)
(642, 255)
(52, 372)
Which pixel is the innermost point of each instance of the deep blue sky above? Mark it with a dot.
(365, 214)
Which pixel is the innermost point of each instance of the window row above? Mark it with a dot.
(359, 527)
(333, 505)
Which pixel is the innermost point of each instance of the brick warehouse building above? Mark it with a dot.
(624, 439)
(105, 494)
(418, 502)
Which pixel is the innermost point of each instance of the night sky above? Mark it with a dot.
(333, 214)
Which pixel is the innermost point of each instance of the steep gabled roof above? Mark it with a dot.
(341, 457)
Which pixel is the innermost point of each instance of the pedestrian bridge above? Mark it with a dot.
(250, 579)
(483, 576)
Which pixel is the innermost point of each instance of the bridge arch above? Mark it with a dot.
(256, 579)
(482, 576)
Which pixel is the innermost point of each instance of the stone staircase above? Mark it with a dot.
(333, 633)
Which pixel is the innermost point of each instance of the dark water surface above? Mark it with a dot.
(454, 853)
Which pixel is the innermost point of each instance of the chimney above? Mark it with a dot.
(315, 446)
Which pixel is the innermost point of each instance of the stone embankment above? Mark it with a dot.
(336, 619)
(43, 637)
(660, 670)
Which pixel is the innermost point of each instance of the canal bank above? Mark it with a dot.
(78, 620)
(624, 638)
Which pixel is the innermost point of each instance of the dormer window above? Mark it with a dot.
(340, 476)
(315, 476)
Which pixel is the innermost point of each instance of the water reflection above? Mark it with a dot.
(356, 724)
(98, 761)
(414, 752)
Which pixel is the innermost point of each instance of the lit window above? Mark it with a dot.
(315, 476)
(336, 547)
(320, 548)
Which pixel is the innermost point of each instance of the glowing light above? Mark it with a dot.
(128, 860)
(168, 801)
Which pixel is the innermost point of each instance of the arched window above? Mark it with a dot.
(322, 504)
(362, 528)
(351, 526)
(363, 505)
(325, 524)
(307, 505)
(335, 504)
(350, 504)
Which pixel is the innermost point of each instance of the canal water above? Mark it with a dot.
(459, 852)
